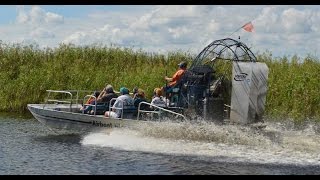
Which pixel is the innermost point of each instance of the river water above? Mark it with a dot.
(28, 147)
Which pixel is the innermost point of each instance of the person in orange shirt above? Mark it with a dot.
(176, 77)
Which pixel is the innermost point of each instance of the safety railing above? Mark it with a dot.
(92, 105)
(111, 108)
(57, 100)
(156, 110)
(67, 101)
(123, 108)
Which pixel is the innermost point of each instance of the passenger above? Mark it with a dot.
(140, 96)
(104, 99)
(107, 94)
(176, 77)
(124, 98)
(135, 92)
(85, 109)
(157, 99)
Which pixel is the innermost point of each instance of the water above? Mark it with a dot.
(27, 147)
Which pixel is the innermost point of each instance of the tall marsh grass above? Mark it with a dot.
(26, 72)
(293, 87)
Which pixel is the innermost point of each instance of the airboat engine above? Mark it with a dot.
(226, 83)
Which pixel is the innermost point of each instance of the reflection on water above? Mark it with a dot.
(27, 147)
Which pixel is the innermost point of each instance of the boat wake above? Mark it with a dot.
(275, 144)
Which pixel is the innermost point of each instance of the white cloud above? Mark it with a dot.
(53, 18)
(37, 16)
(282, 29)
(268, 20)
(295, 21)
(76, 38)
(213, 26)
(178, 32)
(142, 23)
(22, 17)
(35, 25)
(41, 33)
(314, 21)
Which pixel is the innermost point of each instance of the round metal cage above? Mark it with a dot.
(225, 49)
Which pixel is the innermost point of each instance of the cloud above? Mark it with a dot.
(22, 16)
(282, 29)
(76, 38)
(286, 30)
(295, 21)
(194, 27)
(178, 32)
(53, 18)
(314, 21)
(37, 16)
(142, 23)
(35, 25)
(41, 33)
(268, 21)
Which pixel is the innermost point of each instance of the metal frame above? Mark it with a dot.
(157, 110)
(218, 48)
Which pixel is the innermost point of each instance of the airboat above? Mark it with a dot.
(224, 84)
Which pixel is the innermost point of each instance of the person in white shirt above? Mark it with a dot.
(157, 99)
(123, 101)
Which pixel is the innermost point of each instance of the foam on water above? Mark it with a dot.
(275, 144)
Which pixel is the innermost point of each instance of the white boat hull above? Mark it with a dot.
(74, 122)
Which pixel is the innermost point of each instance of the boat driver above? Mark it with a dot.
(176, 77)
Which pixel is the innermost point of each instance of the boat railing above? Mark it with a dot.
(156, 110)
(69, 93)
(58, 100)
(111, 108)
(93, 105)
(77, 94)
(122, 108)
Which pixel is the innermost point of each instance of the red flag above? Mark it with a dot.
(248, 27)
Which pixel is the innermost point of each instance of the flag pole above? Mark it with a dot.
(235, 31)
(240, 28)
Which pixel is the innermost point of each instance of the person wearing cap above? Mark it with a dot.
(124, 98)
(176, 77)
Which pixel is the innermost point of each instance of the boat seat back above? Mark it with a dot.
(130, 112)
(102, 107)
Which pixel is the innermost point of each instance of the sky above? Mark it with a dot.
(280, 29)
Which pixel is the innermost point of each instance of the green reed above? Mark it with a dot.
(293, 87)
(26, 72)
